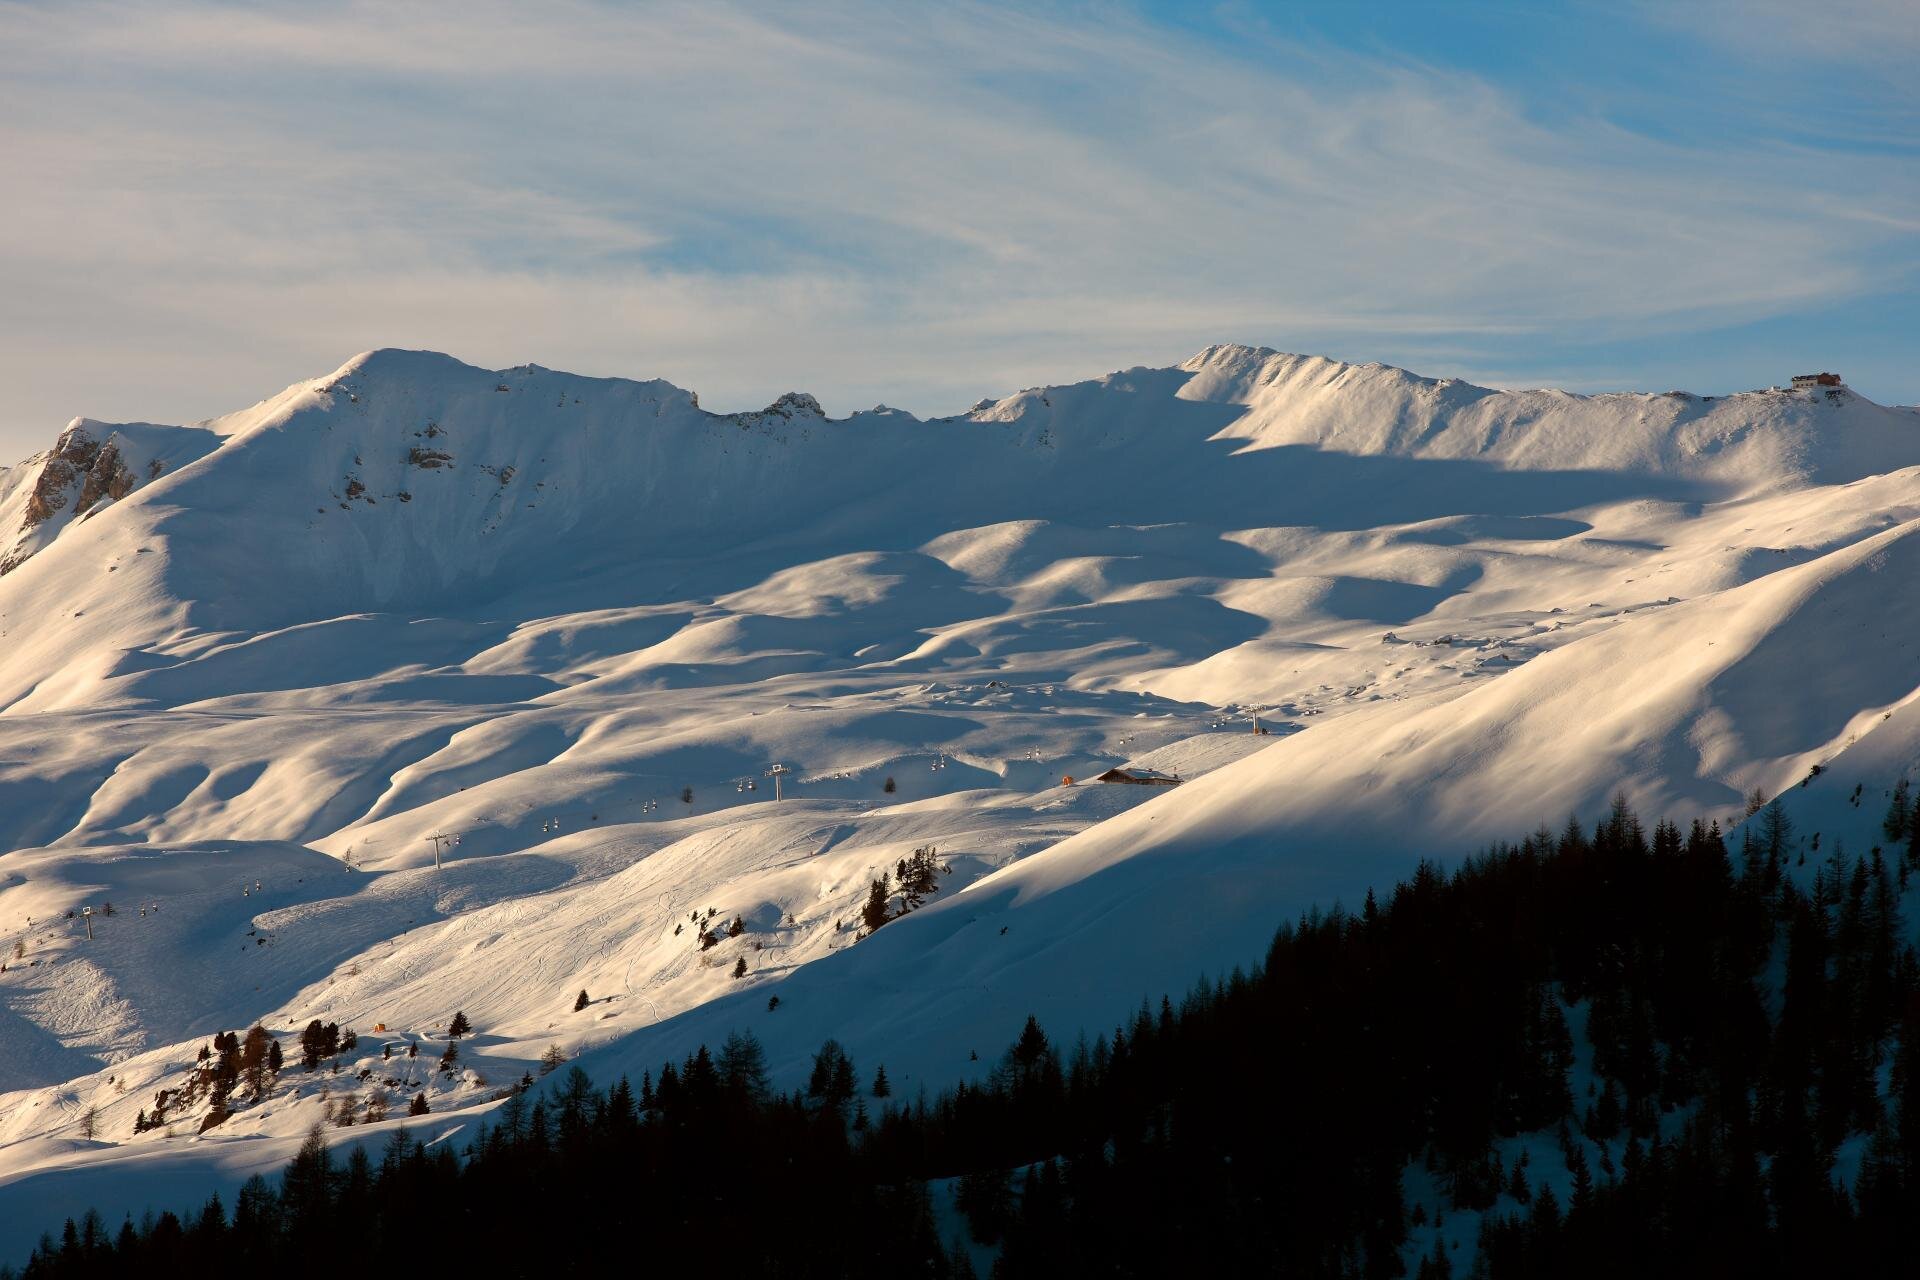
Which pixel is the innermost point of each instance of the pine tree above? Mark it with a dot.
(831, 1080)
(459, 1026)
(881, 1088)
(1031, 1048)
(740, 967)
(1776, 829)
(580, 1001)
(1545, 1219)
(306, 1186)
(256, 1058)
(877, 910)
(313, 1044)
(418, 1107)
(1582, 1180)
(919, 877)
(1899, 813)
(743, 1067)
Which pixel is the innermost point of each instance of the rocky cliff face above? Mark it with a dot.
(63, 468)
(110, 478)
(90, 467)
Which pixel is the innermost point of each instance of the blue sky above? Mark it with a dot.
(923, 205)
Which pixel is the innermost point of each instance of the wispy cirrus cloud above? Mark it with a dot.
(920, 205)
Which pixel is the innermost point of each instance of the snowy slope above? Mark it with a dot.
(536, 610)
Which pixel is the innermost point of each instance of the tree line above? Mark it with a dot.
(1594, 1052)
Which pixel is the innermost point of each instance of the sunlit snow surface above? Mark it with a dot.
(533, 610)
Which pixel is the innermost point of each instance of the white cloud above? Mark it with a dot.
(1885, 32)
(920, 206)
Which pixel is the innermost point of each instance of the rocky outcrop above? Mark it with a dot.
(80, 476)
(107, 478)
(794, 404)
(68, 463)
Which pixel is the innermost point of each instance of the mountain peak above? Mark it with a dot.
(794, 404)
(1227, 353)
(398, 362)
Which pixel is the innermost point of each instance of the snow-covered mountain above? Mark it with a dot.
(248, 667)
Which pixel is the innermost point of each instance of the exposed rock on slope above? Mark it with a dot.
(90, 466)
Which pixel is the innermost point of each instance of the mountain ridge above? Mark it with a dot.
(578, 621)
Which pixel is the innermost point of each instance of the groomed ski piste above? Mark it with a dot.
(249, 667)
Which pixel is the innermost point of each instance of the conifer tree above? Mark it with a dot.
(1582, 1198)
(743, 1067)
(831, 1080)
(1899, 813)
(877, 911)
(313, 1044)
(580, 1001)
(305, 1187)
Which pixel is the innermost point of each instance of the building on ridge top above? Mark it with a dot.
(1808, 381)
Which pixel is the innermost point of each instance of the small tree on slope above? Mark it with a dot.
(876, 913)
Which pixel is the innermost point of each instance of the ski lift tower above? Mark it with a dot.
(1256, 719)
(777, 772)
(440, 841)
(86, 914)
